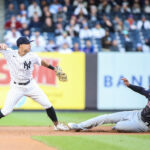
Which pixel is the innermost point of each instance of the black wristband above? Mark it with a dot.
(51, 67)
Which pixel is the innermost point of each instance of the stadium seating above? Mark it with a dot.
(136, 36)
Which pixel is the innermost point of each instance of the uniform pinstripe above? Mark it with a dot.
(21, 69)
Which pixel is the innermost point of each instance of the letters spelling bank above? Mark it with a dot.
(137, 80)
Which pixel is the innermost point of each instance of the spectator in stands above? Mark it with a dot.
(13, 23)
(128, 41)
(34, 8)
(130, 23)
(59, 15)
(76, 3)
(51, 46)
(92, 2)
(22, 8)
(114, 46)
(64, 38)
(81, 17)
(22, 18)
(54, 7)
(68, 8)
(80, 9)
(76, 47)
(104, 6)
(127, 2)
(139, 48)
(147, 7)
(73, 28)
(61, 21)
(136, 8)
(125, 8)
(116, 8)
(98, 32)
(107, 40)
(65, 49)
(39, 42)
(11, 37)
(64, 16)
(93, 13)
(88, 47)
(10, 11)
(26, 33)
(46, 13)
(59, 30)
(43, 4)
(24, 27)
(145, 48)
(35, 22)
(143, 23)
(107, 24)
(74, 18)
(118, 24)
(85, 32)
(48, 26)
(147, 41)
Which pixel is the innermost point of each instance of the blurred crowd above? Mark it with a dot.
(89, 26)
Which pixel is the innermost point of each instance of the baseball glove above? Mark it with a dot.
(60, 74)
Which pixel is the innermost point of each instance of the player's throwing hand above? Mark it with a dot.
(126, 82)
(3, 46)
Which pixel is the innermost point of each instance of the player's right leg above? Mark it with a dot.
(103, 119)
(39, 96)
(13, 97)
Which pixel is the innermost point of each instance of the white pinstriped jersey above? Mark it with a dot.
(21, 67)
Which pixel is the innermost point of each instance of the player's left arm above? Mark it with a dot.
(135, 88)
(59, 73)
(47, 65)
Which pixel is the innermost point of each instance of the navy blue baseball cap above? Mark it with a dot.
(23, 40)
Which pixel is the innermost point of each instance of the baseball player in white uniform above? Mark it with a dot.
(21, 64)
(130, 121)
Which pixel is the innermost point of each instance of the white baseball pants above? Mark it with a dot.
(31, 90)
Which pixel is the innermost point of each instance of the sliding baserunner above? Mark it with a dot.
(129, 121)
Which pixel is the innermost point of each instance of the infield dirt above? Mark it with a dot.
(19, 138)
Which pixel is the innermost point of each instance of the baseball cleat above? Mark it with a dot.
(74, 126)
(61, 127)
(113, 128)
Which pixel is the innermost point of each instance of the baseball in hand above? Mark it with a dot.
(3, 46)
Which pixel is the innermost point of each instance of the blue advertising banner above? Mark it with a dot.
(112, 94)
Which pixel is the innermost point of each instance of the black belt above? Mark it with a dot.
(22, 83)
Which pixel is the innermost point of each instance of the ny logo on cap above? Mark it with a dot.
(27, 65)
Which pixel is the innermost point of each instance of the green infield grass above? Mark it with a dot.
(41, 119)
(97, 142)
(78, 142)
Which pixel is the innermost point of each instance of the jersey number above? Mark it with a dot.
(27, 65)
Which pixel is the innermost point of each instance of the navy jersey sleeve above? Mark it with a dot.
(139, 90)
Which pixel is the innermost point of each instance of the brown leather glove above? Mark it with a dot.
(60, 74)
